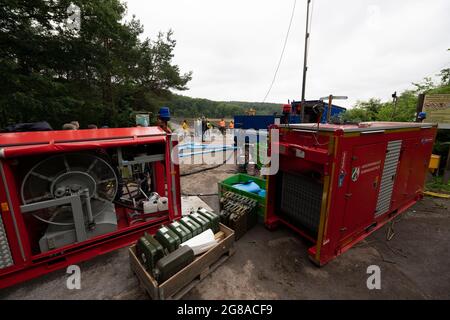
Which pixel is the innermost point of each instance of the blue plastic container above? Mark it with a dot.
(249, 186)
(164, 113)
(229, 185)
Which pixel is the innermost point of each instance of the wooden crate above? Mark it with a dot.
(186, 279)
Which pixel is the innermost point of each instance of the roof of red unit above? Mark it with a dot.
(23, 143)
(360, 127)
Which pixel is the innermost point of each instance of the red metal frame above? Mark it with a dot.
(28, 265)
(347, 215)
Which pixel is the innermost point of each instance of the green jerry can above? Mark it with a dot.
(192, 225)
(173, 262)
(159, 248)
(168, 239)
(213, 218)
(147, 253)
(201, 220)
(181, 231)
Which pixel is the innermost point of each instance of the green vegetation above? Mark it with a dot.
(182, 106)
(437, 185)
(442, 145)
(375, 110)
(405, 110)
(97, 74)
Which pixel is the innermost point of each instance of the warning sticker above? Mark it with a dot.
(355, 173)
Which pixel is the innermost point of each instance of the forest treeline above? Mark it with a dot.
(182, 106)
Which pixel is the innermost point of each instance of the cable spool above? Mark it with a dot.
(70, 174)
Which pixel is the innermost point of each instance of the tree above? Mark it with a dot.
(97, 74)
(405, 109)
(364, 111)
(426, 85)
(445, 76)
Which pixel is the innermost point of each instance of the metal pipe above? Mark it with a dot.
(88, 206)
(305, 55)
(330, 103)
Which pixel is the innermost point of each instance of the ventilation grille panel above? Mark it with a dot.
(388, 177)
(5, 254)
(301, 199)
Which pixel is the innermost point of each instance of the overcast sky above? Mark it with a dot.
(358, 48)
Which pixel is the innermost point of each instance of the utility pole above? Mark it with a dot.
(305, 57)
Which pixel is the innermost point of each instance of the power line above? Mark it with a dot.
(282, 52)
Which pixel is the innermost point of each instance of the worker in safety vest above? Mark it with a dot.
(222, 125)
(185, 127)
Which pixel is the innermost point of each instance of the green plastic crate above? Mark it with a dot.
(227, 185)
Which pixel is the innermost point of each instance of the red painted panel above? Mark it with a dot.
(364, 183)
(401, 190)
(419, 164)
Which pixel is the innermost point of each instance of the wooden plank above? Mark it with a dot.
(144, 278)
(202, 276)
(187, 278)
(219, 236)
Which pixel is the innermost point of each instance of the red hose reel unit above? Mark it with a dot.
(68, 196)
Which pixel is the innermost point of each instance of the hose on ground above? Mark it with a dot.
(199, 194)
(206, 169)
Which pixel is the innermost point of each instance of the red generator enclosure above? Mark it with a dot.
(68, 196)
(336, 184)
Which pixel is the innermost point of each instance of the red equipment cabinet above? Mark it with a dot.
(336, 184)
(21, 254)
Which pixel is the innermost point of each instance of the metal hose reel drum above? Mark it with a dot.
(85, 177)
